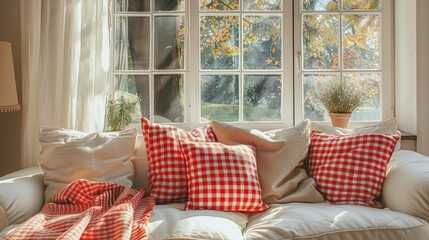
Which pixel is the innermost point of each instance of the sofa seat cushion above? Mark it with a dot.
(326, 221)
(171, 221)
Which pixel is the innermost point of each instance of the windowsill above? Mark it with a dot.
(408, 136)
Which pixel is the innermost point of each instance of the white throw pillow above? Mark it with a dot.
(385, 127)
(68, 155)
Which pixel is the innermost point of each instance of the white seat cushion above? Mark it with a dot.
(286, 221)
(326, 221)
(171, 221)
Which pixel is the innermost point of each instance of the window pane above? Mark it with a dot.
(134, 89)
(262, 42)
(219, 42)
(132, 6)
(262, 5)
(219, 98)
(361, 4)
(361, 41)
(169, 42)
(213, 5)
(320, 41)
(169, 5)
(132, 43)
(169, 98)
(313, 109)
(371, 111)
(319, 5)
(262, 97)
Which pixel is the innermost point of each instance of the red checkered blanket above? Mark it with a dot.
(90, 210)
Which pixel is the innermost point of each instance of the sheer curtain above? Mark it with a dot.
(65, 66)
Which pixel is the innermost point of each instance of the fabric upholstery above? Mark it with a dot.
(350, 169)
(139, 160)
(3, 218)
(222, 177)
(407, 174)
(169, 221)
(68, 155)
(384, 127)
(8, 230)
(406, 187)
(334, 222)
(21, 195)
(279, 154)
(166, 164)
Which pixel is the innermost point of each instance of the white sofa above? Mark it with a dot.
(405, 216)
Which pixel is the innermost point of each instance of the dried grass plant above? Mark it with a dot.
(340, 96)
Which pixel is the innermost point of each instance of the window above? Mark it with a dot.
(240, 60)
(149, 57)
(345, 40)
(188, 62)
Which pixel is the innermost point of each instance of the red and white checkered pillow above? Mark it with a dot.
(166, 163)
(222, 177)
(350, 169)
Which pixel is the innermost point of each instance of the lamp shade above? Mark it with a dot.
(8, 97)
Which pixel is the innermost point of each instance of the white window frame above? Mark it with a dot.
(151, 72)
(292, 85)
(287, 68)
(387, 63)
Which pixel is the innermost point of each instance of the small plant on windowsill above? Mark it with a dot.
(119, 114)
(340, 98)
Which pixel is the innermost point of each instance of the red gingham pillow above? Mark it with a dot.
(166, 164)
(350, 169)
(222, 177)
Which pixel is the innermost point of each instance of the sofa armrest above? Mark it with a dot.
(21, 195)
(406, 186)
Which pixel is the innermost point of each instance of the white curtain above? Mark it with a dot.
(65, 66)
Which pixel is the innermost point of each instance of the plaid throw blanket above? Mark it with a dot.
(90, 210)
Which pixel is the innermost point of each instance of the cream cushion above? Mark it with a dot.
(385, 127)
(278, 155)
(406, 186)
(139, 160)
(326, 221)
(8, 230)
(21, 195)
(169, 221)
(68, 155)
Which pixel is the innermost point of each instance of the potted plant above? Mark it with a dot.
(340, 98)
(119, 114)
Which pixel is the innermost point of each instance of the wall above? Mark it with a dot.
(405, 62)
(422, 76)
(10, 123)
(412, 69)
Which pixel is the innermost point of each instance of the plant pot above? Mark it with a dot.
(340, 119)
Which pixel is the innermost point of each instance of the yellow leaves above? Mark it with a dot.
(361, 4)
(332, 5)
(234, 5)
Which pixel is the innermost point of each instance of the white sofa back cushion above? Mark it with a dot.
(139, 160)
(68, 155)
(385, 127)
